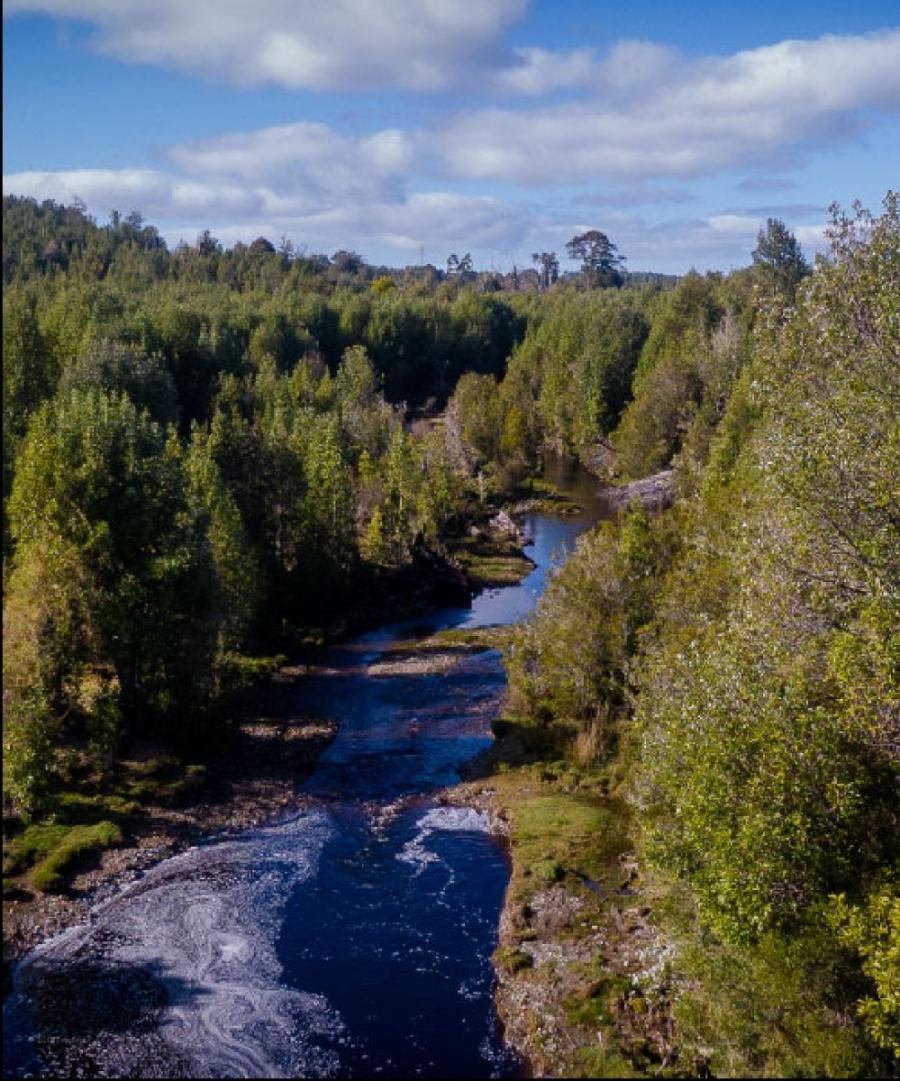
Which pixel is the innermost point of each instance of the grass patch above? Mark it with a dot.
(161, 779)
(491, 562)
(51, 848)
(594, 1004)
(91, 818)
(474, 637)
(74, 808)
(540, 496)
(604, 1062)
(32, 844)
(49, 874)
(558, 835)
(510, 959)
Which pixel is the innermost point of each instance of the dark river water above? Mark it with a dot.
(352, 939)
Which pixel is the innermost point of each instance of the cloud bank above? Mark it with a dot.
(636, 125)
(299, 44)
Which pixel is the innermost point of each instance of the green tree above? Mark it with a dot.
(778, 258)
(601, 263)
(116, 367)
(104, 482)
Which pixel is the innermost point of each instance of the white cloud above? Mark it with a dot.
(155, 193)
(536, 72)
(235, 207)
(304, 162)
(658, 115)
(395, 229)
(652, 116)
(438, 222)
(717, 242)
(315, 44)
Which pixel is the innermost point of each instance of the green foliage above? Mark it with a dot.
(600, 261)
(753, 789)
(872, 928)
(571, 376)
(736, 658)
(759, 660)
(765, 783)
(117, 368)
(776, 1009)
(568, 660)
(101, 487)
(698, 345)
(511, 959)
(778, 259)
(30, 734)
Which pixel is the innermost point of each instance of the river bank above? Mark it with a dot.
(254, 774)
(581, 969)
(414, 702)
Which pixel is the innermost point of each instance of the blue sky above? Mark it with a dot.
(502, 127)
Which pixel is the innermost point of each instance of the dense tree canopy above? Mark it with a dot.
(751, 671)
(213, 453)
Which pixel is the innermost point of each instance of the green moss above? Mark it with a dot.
(161, 779)
(476, 637)
(558, 834)
(48, 874)
(486, 571)
(511, 959)
(604, 1062)
(594, 1005)
(491, 562)
(77, 808)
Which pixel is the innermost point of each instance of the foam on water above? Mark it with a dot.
(451, 819)
(205, 923)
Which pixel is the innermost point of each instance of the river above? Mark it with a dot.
(350, 939)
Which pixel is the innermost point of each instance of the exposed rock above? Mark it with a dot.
(504, 524)
(654, 493)
(602, 460)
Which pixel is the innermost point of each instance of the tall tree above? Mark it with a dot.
(779, 259)
(548, 267)
(601, 263)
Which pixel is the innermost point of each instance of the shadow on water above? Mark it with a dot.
(67, 1011)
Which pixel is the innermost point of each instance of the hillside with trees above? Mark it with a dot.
(727, 671)
(212, 457)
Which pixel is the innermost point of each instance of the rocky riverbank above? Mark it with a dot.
(581, 975)
(253, 776)
(654, 493)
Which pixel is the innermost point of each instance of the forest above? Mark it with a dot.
(212, 457)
